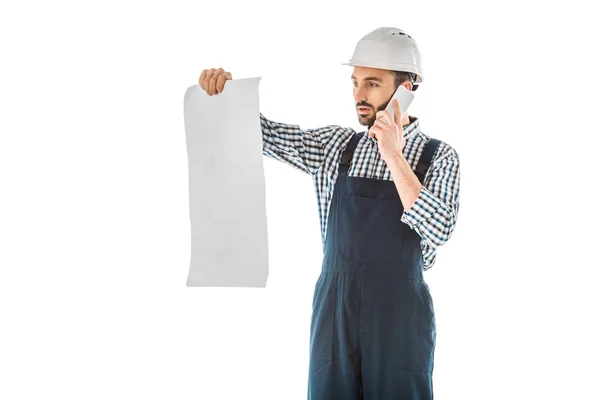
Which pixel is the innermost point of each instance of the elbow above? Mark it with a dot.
(444, 228)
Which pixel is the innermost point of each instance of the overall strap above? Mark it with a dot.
(425, 159)
(349, 151)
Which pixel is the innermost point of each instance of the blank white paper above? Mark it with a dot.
(226, 186)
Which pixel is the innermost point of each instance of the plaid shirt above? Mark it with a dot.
(317, 152)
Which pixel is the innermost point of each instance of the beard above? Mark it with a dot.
(369, 120)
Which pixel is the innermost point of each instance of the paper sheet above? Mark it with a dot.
(226, 186)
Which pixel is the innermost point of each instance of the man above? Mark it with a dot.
(387, 201)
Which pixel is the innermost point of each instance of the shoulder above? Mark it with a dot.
(444, 151)
(333, 137)
(333, 130)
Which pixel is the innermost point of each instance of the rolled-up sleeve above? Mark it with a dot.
(433, 215)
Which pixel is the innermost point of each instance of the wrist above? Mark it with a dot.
(397, 159)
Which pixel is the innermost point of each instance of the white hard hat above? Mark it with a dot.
(388, 48)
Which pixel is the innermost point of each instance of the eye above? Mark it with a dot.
(370, 84)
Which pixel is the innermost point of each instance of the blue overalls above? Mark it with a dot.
(373, 330)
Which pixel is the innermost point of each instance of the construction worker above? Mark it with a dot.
(387, 200)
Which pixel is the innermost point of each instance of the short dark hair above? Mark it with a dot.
(402, 76)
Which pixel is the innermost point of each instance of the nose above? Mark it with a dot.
(359, 96)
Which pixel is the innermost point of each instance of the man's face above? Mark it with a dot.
(373, 90)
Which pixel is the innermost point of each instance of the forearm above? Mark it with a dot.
(407, 183)
(434, 207)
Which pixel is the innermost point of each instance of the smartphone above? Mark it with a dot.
(404, 96)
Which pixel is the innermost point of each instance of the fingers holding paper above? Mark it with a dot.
(213, 80)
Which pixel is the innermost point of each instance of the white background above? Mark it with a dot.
(94, 210)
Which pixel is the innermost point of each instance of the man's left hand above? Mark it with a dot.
(388, 133)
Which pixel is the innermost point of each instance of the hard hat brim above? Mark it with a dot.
(392, 67)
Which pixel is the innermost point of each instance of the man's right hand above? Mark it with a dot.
(213, 80)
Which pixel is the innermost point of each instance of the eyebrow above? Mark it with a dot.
(370, 78)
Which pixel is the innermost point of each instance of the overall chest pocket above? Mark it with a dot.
(369, 230)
